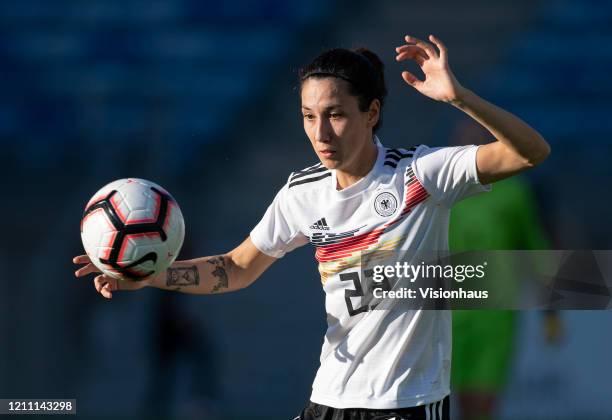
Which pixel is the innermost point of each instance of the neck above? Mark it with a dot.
(364, 163)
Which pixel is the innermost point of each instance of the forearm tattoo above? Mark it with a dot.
(184, 276)
(220, 273)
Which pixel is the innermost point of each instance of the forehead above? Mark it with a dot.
(325, 92)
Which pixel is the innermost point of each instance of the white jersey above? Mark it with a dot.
(374, 358)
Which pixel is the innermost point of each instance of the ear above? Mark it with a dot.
(373, 113)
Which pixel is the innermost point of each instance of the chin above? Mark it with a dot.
(330, 163)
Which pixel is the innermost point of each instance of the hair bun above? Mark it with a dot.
(372, 58)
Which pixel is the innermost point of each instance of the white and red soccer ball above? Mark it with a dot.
(132, 229)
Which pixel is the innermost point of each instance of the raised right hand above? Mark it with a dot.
(105, 285)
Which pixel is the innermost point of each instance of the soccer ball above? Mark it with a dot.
(132, 229)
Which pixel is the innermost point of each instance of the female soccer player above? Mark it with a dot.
(362, 196)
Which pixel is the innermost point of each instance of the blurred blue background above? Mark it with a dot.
(200, 97)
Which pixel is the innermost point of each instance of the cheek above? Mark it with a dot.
(310, 133)
(340, 127)
(308, 130)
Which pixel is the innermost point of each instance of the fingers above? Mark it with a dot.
(429, 49)
(107, 291)
(99, 282)
(411, 79)
(441, 47)
(81, 259)
(105, 285)
(411, 56)
(88, 269)
(411, 51)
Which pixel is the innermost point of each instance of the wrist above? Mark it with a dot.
(157, 280)
(461, 97)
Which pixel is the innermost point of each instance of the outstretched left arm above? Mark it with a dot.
(518, 146)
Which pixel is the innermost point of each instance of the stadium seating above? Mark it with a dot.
(92, 71)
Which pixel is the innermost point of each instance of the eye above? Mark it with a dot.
(335, 115)
(308, 117)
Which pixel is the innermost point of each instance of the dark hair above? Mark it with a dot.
(361, 68)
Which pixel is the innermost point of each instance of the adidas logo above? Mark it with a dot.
(320, 224)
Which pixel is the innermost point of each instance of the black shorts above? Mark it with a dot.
(439, 410)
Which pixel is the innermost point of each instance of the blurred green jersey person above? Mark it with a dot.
(483, 340)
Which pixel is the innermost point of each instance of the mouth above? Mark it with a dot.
(327, 153)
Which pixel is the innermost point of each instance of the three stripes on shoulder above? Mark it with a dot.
(393, 156)
(310, 174)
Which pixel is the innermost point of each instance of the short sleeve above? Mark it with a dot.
(448, 173)
(277, 233)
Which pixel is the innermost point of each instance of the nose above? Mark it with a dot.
(323, 131)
